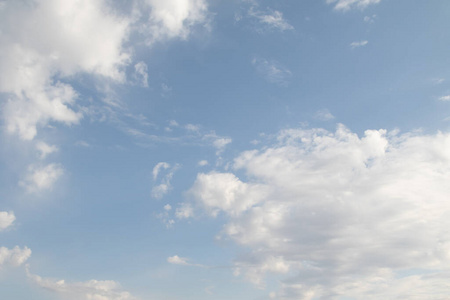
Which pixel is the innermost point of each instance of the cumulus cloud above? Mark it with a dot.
(445, 98)
(48, 40)
(358, 44)
(6, 219)
(41, 178)
(88, 290)
(14, 257)
(339, 215)
(272, 71)
(345, 5)
(44, 43)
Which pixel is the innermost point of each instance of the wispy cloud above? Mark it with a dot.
(272, 71)
(358, 44)
(271, 19)
(323, 115)
(345, 5)
(88, 290)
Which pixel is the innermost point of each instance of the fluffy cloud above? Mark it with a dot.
(174, 18)
(6, 219)
(41, 178)
(45, 43)
(345, 5)
(46, 40)
(89, 290)
(338, 214)
(14, 257)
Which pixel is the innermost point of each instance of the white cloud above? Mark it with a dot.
(346, 5)
(176, 260)
(160, 190)
(158, 167)
(358, 44)
(49, 41)
(45, 149)
(323, 115)
(88, 290)
(217, 192)
(184, 211)
(141, 73)
(338, 214)
(272, 19)
(203, 163)
(174, 18)
(370, 19)
(272, 71)
(14, 257)
(53, 39)
(220, 144)
(41, 178)
(445, 98)
(6, 219)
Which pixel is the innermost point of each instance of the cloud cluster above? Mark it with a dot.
(46, 43)
(89, 290)
(43, 42)
(338, 214)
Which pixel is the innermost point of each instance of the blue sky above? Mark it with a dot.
(245, 149)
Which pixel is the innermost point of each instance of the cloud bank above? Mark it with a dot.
(339, 215)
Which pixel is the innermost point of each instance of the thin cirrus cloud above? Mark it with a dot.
(88, 290)
(445, 98)
(270, 19)
(330, 205)
(359, 44)
(345, 5)
(272, 71)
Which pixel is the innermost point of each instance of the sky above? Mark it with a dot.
(241, 149)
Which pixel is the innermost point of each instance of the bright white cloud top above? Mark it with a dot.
(281, 149)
